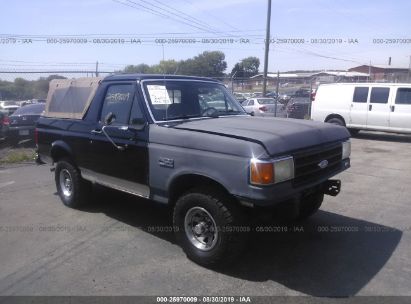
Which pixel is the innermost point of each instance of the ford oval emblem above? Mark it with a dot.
(322, 164)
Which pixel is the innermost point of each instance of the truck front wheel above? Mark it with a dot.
(71, 187)
(210, 227)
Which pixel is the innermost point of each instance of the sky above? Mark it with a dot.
(306, 35)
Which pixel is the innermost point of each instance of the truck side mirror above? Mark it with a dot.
(109, 119)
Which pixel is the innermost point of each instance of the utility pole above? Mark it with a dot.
(409, 70)
(267, 47)
(96, 68)
(369, 72)
(276, 93)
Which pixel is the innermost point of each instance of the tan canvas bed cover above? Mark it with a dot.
(70, 98)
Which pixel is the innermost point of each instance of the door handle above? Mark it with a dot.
(96, 131)
(370, 107)
(392, 108)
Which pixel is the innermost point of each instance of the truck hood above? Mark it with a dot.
(277, 135)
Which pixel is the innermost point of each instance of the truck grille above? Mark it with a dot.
(306, 163)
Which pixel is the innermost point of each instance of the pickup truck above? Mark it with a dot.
(187, 142)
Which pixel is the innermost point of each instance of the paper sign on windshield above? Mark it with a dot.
(158, 94)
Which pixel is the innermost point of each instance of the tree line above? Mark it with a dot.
(22, 89)
(207, 64)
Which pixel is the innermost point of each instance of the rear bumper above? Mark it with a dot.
(20, 132)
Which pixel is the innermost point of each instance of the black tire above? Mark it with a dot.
(310, 205)
(227, 216)
(354, 132)
(336, 121)
(80, 189)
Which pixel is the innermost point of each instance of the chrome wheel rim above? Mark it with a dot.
(66, 183)
(201, 229)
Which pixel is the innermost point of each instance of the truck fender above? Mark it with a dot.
(191, 179)
(60, 149)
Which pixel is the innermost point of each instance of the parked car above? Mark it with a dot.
(284, 98)
(270, 94)
(9, 109)
(153, 136)
(257, 94)
(303, 92)
(4, 124)
(264, 107)
(365, 106)
(240, 97)
(298, 108)
(23, 121)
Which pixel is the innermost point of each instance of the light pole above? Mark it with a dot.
(267, 48)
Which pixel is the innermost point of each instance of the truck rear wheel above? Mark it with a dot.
(310, 205)
(71, 187)
(210, 227)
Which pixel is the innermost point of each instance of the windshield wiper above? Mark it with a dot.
(232, 112)
(181, 117)
(212, 115)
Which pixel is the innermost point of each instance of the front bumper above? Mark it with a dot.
(276, 194)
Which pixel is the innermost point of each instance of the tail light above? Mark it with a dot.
(36, 136)
(263, 109)
(5, 121)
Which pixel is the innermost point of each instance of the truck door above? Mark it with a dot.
(378, 108)
(359, 107)
(118, 153)
(400, 116)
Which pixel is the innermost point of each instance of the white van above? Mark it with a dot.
(365, 106)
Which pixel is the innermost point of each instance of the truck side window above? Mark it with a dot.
(118, 100)
(403, 96)
(379, 95)
(360, 94)
(251, 103)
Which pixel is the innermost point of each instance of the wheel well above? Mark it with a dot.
(189, 181)
(59, 153)
(335, 116)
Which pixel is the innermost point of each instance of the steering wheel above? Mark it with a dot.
(209, 111)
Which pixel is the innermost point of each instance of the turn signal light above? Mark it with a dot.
(261, 173)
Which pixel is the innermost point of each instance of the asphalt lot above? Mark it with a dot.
(358, 244)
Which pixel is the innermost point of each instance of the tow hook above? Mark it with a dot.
(332, 187)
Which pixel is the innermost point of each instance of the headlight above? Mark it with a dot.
(346, 149)
(268, 172)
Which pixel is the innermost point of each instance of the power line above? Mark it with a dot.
(215, 17)
(127, 35)
(179, 12)
(160, 14)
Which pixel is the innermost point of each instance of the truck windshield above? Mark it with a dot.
(170, 99)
